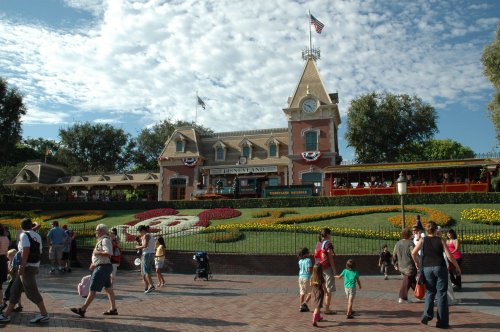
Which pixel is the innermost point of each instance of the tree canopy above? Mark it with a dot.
(94, 148)
(12, 109)
(437, 150)
(491, 63)
(151, 141)
(380, 127)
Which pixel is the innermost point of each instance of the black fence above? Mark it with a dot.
(370, 241)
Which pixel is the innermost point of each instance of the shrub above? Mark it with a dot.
(484, 216)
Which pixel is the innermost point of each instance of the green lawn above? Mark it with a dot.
(275, 242)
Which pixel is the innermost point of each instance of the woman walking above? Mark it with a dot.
(323, 255)
(435, 273)
(454, 247)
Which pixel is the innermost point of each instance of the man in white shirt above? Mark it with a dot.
(101, 272)
(30, 246)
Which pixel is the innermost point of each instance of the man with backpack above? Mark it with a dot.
(30, 246)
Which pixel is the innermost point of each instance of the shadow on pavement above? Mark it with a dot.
(211, 322)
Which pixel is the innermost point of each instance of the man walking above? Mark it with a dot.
(101, 272)
(56, 238)
(30, 246)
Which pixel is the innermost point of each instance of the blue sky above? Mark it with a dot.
(135, 63)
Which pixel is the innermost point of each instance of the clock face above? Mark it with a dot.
(309, 105)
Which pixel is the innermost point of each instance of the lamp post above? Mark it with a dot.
(402, 189)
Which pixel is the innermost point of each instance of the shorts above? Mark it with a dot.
(147, 264)
(329, 280)
(101, 277)
(304, 286)
(28, 284)
(56, 251)
(350, 293)
(159, 262)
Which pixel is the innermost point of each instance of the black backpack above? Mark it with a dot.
(35, 254)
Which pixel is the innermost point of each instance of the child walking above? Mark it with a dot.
(14, 258)
(305, 270)
(160, 260)
(351, 276)
(318, 292)
(384, 261)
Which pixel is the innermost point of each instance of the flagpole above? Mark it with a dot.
(310, 37)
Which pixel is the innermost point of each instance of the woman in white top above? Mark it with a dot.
(148, 252)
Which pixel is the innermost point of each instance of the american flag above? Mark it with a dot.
(317, 24)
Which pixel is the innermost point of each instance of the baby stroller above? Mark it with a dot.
(202, 266)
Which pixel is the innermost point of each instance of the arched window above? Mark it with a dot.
(219, 153)
(179, 146)
(311, 138)
(273, 150)
(245, 152)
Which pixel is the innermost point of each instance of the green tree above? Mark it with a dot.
(151, 141)
(380, 127)
(94, 148)
(491, 63)
(11, 110)
(436, 150)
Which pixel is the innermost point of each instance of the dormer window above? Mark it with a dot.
(246, 148)
(179, 146)
(272, 147)
(220, 151)
(272, 150)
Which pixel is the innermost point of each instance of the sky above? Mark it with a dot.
(136, 63)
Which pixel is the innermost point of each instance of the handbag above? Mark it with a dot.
(419, 291)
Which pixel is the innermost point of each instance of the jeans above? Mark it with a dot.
(436, 285)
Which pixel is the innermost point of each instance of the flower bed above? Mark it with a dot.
(276, 217)
(483, 216)
(155, 213)
(216, 214)
(226, 236)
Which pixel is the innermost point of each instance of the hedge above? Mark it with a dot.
(441, 198)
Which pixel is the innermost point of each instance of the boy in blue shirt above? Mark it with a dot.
(305, 270)
(351, 277)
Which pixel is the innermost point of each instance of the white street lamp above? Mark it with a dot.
(402, 190)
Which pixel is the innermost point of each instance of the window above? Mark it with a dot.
(272, 150)
(219, 154)
(245, 152)
(311, 141)
(272, 182)
(179, 146)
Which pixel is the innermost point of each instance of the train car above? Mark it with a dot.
(446, 176)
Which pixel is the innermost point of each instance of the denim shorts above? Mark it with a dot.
(101, 277)
(147, 264)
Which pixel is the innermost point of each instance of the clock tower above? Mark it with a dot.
(313, 120)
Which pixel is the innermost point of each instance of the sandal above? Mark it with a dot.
(112, 312)
(79, 312)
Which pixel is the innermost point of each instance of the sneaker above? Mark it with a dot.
(150, 289)
(401, 301)
(350, 316)
(386, 277)
(4, 319)
(52, 271)
(3, 306)
(40, 319)
(18, 308)
(304, 308)
(425, 320)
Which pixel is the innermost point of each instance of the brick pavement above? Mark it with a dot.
(249, 303)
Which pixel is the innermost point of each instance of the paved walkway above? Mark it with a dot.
(249, 303)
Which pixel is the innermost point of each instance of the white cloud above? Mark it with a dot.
(243, 58)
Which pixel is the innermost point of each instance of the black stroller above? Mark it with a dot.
(202, 266)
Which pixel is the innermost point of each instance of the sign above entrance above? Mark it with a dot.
(243, 170)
